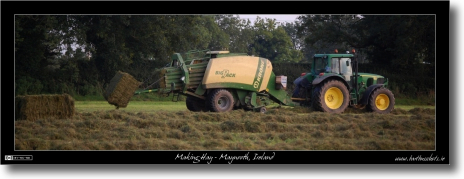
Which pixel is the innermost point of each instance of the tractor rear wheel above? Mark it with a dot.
(194, 104)
(381, 101)
(220, 100)
(331, 96)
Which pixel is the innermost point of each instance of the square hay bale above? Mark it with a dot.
(121, 89)
(32, 107)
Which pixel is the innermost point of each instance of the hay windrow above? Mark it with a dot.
(422, 111)
(121, 89)
(236, 130)
(32, 107)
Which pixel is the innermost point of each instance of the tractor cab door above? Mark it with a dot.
(320, 65)
(342, 66)
(346, 68)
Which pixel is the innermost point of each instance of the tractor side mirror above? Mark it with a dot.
(347, 63)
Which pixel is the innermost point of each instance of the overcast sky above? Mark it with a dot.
(279, 18)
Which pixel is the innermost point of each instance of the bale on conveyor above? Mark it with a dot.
(32, 107)
(121, 89)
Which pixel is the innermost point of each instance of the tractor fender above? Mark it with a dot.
(368, 93)
(300, 82)
(297, 81)
(331, 76)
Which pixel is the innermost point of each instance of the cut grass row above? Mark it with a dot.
(279, 129)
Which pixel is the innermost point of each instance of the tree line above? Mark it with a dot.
(79, 54)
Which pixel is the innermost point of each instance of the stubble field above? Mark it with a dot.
(145, 125)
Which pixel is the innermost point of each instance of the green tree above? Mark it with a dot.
(37, 42)
(399, 41)
(292, 31)
(325, 33)
(272, 42)
(219, 38)
(240, 32)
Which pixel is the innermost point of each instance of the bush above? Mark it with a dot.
(417, 80)
(28, 85)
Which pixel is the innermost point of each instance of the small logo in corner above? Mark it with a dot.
(19, 157)
(8, 157)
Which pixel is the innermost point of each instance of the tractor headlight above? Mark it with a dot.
(182, 78)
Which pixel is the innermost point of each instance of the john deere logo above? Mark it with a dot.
(225, 73)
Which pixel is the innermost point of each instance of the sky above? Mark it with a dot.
(279, 18)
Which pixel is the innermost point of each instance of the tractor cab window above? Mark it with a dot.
(341, 66)
(320, 65)
(335, 65)
(346, 67)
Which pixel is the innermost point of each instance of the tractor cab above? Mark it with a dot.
(339, 64)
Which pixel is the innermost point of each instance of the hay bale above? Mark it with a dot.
(121, 89)
(32, 107)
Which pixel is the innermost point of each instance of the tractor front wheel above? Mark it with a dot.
(381, 101)
(331, 96)
(220, 100)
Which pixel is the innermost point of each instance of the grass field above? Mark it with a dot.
(146, 125)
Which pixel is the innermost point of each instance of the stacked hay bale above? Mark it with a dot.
(121, 89)
(32, 107)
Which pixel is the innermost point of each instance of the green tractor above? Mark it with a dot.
(334, 84)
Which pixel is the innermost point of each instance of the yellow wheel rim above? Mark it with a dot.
(333, 98)
(382, 102)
